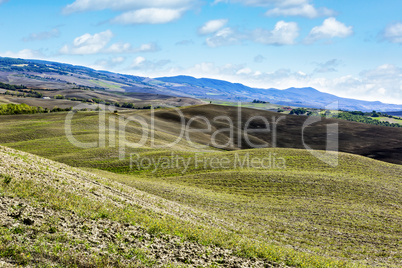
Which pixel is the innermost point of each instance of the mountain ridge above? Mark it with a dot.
(291, 96)
(54, 75)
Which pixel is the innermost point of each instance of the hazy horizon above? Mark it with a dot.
(349, 49)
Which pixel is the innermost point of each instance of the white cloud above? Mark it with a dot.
(149, 16)
(97, 43)
(150, 47)
(212, 26)
(128, 48)
(3, 1)
(138, 61)
(119, 48)
(385, 80)
(386, 73)
(382, 91)
(246, 71)
(302, 8)
(136, 11)
(42, 35)
(305, 10)
(329, 29)
(89, 5)
(393, 33)
(24, 54)
(88, 44)
(224, 37)
(118, 59)
(284, 33)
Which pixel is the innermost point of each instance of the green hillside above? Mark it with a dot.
(351, 212)
(303, 213)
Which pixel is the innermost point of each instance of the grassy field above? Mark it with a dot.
(349, 212)
(109, 85)
(387, 119)
(53, 215)
(4, 100)
(304, 213)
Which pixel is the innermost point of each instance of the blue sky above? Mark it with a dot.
(348, 48)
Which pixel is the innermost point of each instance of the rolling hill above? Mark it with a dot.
(376, 142)
(31, 132)
(54, 215)
(209, 199)
(303, 214)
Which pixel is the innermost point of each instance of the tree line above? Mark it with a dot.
(128, 105)
(25, 93)
(10, 109)
(11, 87)
(355, 116)
(365, 119)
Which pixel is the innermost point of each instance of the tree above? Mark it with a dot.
(298, 111)
(375, 114)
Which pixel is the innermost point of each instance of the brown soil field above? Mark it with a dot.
(50, 104)
(381, 143)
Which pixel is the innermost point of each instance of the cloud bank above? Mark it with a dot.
(302, 8)
(88, 44)
(284, 33)
(135, 11)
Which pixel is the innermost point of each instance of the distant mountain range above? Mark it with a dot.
(53, 75)
(302, 97)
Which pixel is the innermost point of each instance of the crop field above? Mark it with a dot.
(301, 212)
(50, 104)
(5, 100)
